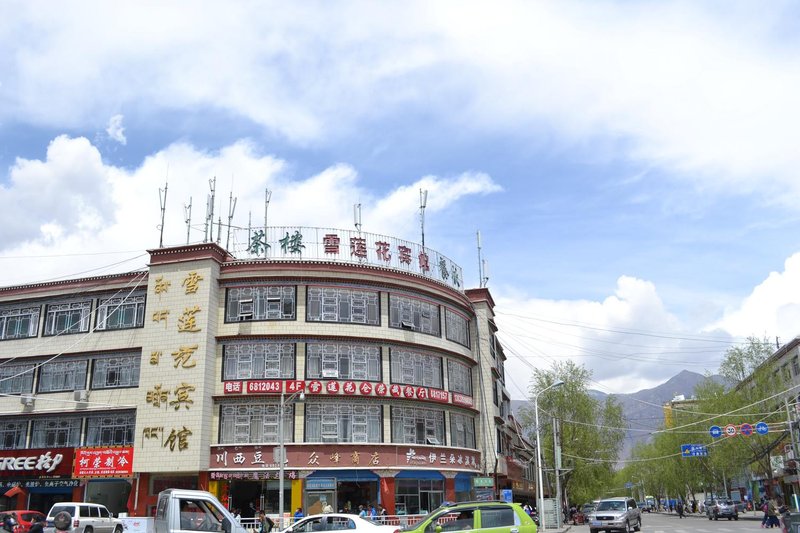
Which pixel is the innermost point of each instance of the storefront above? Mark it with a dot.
(404, 479)
(107, 473)
(42, 477)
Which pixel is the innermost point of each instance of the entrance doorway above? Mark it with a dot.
(249, 496)
(351, 494)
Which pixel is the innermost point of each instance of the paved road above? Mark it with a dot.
(665, 523)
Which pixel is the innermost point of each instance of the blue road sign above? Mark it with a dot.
(715, 431)
(762, 428)
(693, 450)
(746, 430)
(628, 485)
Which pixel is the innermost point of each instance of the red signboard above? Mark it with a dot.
(375, 456)
(40, 462)
(351, 388)
(104, 462)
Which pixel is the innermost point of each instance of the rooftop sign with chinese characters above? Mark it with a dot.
(348, 246)
(326, 456)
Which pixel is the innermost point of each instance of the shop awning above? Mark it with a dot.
(419, 474)
(463, 482)
(346, 475)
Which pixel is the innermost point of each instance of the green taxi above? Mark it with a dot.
(484, 517)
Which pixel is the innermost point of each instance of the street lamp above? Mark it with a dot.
(299, 396)
(540, 488)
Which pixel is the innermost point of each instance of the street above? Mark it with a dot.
(670, 523)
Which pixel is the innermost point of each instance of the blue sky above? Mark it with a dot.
(632, 167)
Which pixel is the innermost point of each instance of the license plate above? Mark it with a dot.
(596, 523)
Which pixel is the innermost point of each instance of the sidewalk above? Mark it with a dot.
(747, 515)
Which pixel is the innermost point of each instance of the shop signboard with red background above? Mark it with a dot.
(346, 388)
(115, 461)
(37, 462)
(373, 457)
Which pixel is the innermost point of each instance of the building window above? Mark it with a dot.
(58, 376)
(418, 496)
(114, 372)
(495, 393)
(456, 328)
(242, 423)
(61, 432)
(265, 360)
(459, 377)
(351, 306)
(260, 303)
(462, 430)
(16, 379)
(493, 345)
(121, 313)
(412, 368)
(343, 422)
(795, 365)
(414, 315)
(72, 317)
(343, 361)
(12, 434)
(413, 425)
(112, 429)
(19, 322)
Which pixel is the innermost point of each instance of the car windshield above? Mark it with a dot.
(612, 505)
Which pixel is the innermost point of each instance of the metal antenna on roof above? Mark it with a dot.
(423, 202)
(267, 198)
(231, 209)
(212, 183)
(187, 211)
(357, 216)
(162, 199)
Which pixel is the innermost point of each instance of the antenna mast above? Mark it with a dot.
(483, 276)
(267, 198)
(423, 202)
(212, 183)
(357, 216)
(231, 209)
(187, 211)
(162, 199)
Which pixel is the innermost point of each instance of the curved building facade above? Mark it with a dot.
(381, 378)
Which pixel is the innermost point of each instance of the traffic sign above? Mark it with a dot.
(762, 428)
(730, 430)
(694, 450)
(628, 485)
(715, 431)
(746, 430)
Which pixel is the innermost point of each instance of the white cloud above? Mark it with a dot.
(73, 203)
(710, 94)
(629, 340)
(115, 129)
(772, 309)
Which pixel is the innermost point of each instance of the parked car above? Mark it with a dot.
(24, 519)
(85, 518)
(494, 516)
(336, 522)
(616, 514)
(587, 508)
(721, 508)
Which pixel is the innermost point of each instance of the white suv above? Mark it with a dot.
(616, 514)
(85, 518)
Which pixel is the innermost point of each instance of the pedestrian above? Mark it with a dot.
(765, 509)
(237, 516)
(373, 513)
(382, 513)
(679, 508)
(362, 512)
(38, 524)
(265, 522)
(772, 514)
(298, 514)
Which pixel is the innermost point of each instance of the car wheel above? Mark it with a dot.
(88, 529)
(117, 529)
(638, 526)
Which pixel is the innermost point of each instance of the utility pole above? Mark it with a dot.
(557, 466)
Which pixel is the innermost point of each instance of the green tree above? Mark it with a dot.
(590, 430)
(741, 361)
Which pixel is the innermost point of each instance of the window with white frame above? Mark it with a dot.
(259, 360)
(456, 328)
(413, 425)
(459, 377)
(121, 313)
(413, 368)
(58, 376)
(462, 430)
(242, 423)
(260, 303)
(16, 379)
(332, 422)
(57, 432)
(13, 434)
(19, 322)
(115, 372)
(70, 317)
(414, 314)
(351, 306)
(343, 361)
(110, 429)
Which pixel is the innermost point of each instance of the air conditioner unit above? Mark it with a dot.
(81, 395)
(26, 400)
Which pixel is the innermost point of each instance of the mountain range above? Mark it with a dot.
(643, 410)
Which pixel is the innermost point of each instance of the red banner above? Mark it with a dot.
(103, 462)
(44, 462)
